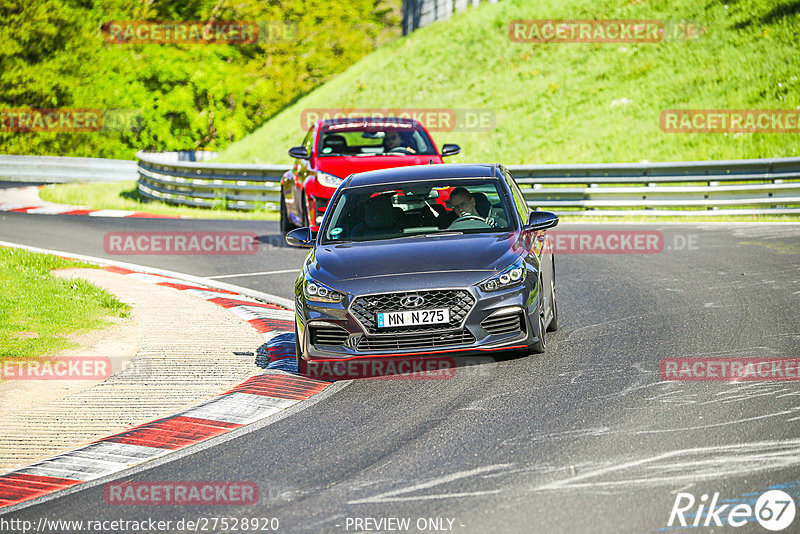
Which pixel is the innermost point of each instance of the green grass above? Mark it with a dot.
(553, 102)
(37, 309)
(125, 196)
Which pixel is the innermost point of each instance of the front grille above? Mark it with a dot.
(503, 324)
(460, 302)
(328, 335)
(420, 340)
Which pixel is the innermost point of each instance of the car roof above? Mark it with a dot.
(415, 173)
(367, 119)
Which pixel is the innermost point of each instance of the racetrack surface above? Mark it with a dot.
(584, 438)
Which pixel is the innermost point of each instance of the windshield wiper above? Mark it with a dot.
(435, 234)
(440, 234)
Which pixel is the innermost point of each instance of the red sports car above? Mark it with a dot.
(335, 148)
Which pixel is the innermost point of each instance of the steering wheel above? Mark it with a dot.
(470, 217)
(402, 149)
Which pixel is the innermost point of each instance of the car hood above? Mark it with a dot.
(346, 165)
(417, 262)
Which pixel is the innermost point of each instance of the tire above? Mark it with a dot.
(306, 224)
(286, 223)
(553, 326)
(540, 329)
(302, 368)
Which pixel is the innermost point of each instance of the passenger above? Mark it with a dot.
(381, 217)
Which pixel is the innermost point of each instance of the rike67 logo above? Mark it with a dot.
(774, 510)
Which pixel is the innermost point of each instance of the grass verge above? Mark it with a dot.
(37, 309)
(572, 102)
(125, 196)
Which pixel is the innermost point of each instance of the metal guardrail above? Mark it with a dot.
(53, 169)
(735, 187)
(748, 186)
(210, 185)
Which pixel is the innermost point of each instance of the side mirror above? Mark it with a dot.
(300, 237)
(541, 220)
(450, 150)
(299, 152)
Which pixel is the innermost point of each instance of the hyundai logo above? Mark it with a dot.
(412, 301)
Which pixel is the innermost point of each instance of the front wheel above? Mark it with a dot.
(306, 221)
(302, 367)
(286, 223)
(540, 327)
(553, 326)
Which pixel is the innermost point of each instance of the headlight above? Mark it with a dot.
(511, 276)
(328, 179)
(316, 292)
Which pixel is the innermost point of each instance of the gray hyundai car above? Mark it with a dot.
(425, 260)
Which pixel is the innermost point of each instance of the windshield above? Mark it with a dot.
(375, 138)
(436, 207)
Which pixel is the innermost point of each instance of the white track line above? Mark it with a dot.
(221, 276)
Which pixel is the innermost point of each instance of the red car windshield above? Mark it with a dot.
(365, 139)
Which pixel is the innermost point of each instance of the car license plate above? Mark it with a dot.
(413, 317)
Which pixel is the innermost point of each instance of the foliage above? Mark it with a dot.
(53, 54)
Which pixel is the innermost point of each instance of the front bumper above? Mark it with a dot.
(496, 321)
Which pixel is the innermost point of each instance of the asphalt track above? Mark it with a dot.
(584, 438)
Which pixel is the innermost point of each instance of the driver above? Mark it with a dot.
(464, 204)
(394, 140)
